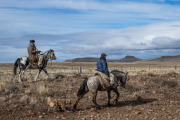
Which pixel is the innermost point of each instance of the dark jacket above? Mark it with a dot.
(31, 49)
(102, 66)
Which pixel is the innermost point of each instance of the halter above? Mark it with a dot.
(114, 72)
(47, 54)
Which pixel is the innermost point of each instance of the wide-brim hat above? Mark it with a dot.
(32, 41)
(103, 54)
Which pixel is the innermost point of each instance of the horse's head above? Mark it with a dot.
(121, 76)
(52, 55)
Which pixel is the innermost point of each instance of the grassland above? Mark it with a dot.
(153, 92)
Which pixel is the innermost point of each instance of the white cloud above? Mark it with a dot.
(146, 42)
(50, 16)
(150, 37)
(81, 27)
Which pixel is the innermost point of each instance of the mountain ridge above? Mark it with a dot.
(170, 58)
(94, 59)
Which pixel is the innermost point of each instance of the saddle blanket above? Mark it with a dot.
(40, 62)
(104, 79)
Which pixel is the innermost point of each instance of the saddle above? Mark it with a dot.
(33, 59)
(36, 61)
(104, 79)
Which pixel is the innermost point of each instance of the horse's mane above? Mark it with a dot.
(47, 51)
(115, 71)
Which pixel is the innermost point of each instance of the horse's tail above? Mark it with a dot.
(16, 65)
(83, 88)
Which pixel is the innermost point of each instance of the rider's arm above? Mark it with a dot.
(105, 68)
(34, 51)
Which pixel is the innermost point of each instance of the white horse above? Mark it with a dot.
(92, 84)
(24, 63)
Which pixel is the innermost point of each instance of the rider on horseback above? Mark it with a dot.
(102, 70)
(33, 52)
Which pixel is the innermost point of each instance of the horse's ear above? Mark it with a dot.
(51, 50)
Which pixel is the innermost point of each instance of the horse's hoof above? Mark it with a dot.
(109, 105)
(75, 107)
(115, 102)
(98, 107)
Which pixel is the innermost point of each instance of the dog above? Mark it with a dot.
(55, 104)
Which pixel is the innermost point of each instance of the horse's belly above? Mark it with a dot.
(34, 66)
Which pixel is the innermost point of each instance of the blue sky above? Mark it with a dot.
(86, 28)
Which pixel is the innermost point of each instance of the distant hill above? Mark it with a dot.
(174, 58)
(93, 59)
(127, 59)
(85, 59)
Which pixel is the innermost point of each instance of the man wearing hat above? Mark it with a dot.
(102, 70)
(32, 51)
(102, 64)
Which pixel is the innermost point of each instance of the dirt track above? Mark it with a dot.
(146, 96)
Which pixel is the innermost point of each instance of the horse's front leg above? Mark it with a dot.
(38, 74)
(117, 97)
(109, 97)
(27, 67)
(44, 69)
(23, 72)
(20, 81)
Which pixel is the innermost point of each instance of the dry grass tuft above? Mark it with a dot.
(25, 99)
(131, 88)
(163, 82)
(151, 74)
(11, 88)
(170, 84)
(171, 74)
(42, 88)
(157, 80)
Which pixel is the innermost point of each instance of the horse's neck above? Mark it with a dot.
(46, 55)
(120, 74)
(113, 80)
